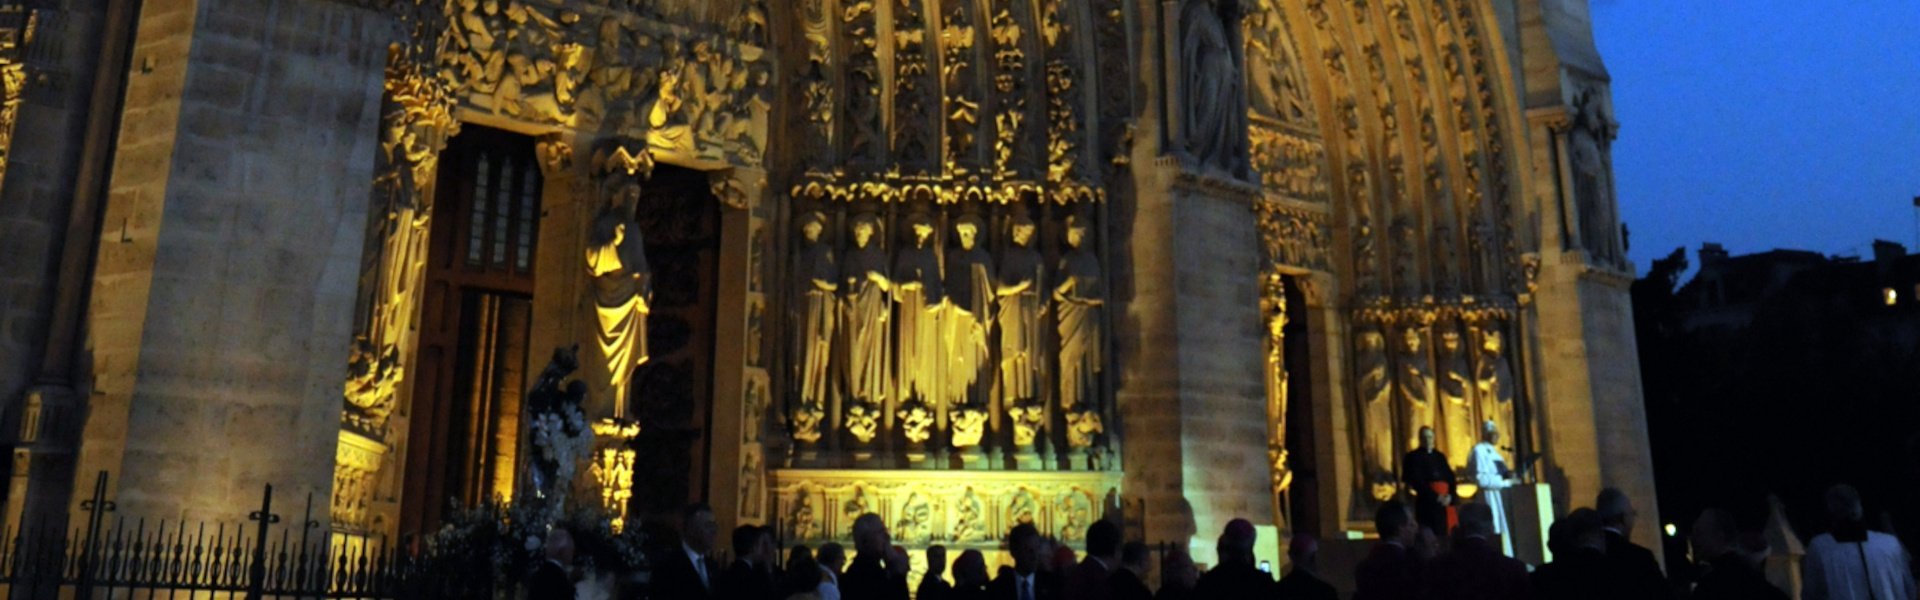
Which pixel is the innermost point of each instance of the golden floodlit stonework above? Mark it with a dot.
(963, 263)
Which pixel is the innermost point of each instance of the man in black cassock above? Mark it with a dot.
(1429, 476)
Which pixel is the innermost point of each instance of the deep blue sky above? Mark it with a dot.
(1764, 124)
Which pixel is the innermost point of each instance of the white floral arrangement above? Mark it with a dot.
(561, 439)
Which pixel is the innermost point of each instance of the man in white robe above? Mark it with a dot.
(1490, 472)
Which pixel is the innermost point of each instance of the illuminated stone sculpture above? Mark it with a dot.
(917, 289)
(969, 306)
(1493, 375)
(1414, 383)
(1214, 122)
(1078, 298)
(1376, 393)
(818, 277)
(867, 314)
(1454, 385)
(622, 287)
(1021, 277)
(1275, 305)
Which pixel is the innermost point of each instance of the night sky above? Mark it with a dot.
(1764, 124)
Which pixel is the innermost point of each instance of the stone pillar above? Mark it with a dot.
(1191, 346)
(224, 291)
(738, 482)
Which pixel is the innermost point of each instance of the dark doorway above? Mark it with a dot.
(672, 393)
(470, 366)
(1303, 510)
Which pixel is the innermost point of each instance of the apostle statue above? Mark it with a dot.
(817, 308)
(917, 290)
(1376, 396)
(1079, 296)
(866, 313)
(1493, 375)
(622, 286)
(1490, 471)
(1454, 384)
(1021, 308)
(1414, 379)
(970, 292)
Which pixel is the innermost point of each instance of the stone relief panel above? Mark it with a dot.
(974, 511)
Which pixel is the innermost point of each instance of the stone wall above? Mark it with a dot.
(225, 288)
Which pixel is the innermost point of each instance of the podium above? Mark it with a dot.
(1529, 514)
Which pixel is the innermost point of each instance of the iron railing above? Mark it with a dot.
(254, 560)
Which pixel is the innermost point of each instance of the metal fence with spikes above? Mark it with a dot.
(136, 560)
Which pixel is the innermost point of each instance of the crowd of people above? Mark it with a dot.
(1593, 558)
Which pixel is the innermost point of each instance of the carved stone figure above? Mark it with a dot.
(1376, 393)
(1454, 385)
(967, 524)
(867, 314)
(1213, 120)
(968, 315)
(1493, 375)
(1278, 90)
(969, 426)
(1593, 180)
(918, 291)
(1078, 298)
(801, 522)
(1021, 308)
(622, 287)
(1274, 301)
(915, 524)
(1414, 383)
(817, 278)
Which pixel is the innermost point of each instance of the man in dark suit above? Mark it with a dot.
(1235, 576)
(750, 577)
(1623, 556)
(1129, 582)
(552, 579)
(1391, 571)
(1579, 568)
(685, 571)
(1025, 581)
(932, 584)
(1301, 583)
(970, 576)
(869, 577)
(1731, 570)
(1475, 569)
(1430, 477)
(1177, 575)
(1089, 579)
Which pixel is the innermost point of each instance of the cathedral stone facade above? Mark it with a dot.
(965, 263)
